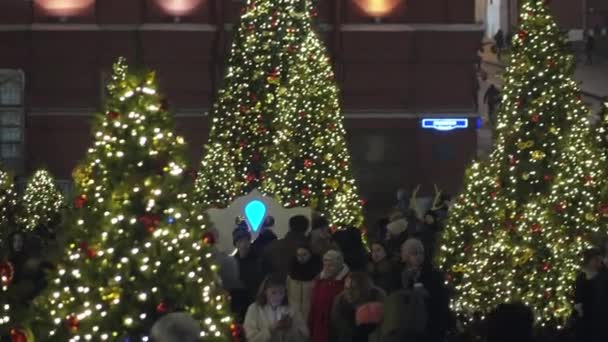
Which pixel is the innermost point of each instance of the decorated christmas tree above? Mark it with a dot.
(133, 256)
(525, 216)
(8, 208)
(276, 123)
(602, 131)
(41, 202)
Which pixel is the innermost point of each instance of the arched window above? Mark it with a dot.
(12, 84)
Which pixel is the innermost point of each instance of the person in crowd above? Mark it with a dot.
(271, 318)
(382, 269)
(228, 268)
(176, 327)
(320, 236)
(303, 269)
(405, 313)
(29, 278)
(351, 245)
(359, 299)
(499, 41)
(420, 275)
(430, 234)
(327, 286)
(250, 272)
(510, 322)
(492, 99)
(396, 235)
(403, 202)
(589, 48)
(380, 231)
(265, 237)
(443, 209)
(591, 298)
(278, 254)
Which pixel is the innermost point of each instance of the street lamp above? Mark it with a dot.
(64, 9)
(378, 9)
(179, 8)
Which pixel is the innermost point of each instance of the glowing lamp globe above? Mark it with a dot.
(64, 8)
(378, 8)
(179, 8)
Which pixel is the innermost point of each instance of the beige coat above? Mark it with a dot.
(299, 294)
(259, 320)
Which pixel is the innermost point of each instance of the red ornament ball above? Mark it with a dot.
(91, 253)
(535, 118)
(209, 238)
(536, 228)
(18, 335)
(548, 178)
(494, 194)
(162, 307)
(305, 192)
(559, 207)
(250, 177)
(7, 272)
(112, 115)
(307, 163)
(80, 201)
(72, 323)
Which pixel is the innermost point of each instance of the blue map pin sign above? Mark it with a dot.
(255, 211)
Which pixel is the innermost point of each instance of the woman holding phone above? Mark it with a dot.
(271, 318)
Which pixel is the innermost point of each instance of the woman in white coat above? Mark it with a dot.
(271, 319)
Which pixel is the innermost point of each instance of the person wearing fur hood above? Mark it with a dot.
(327, 286)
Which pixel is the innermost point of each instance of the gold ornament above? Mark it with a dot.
(527, 255)
(590, 217)
(299, 176)
(525, 144)
(459, 269)
(332, 183)
(110, 294)
(318, 142)
(538, 155)
(314, 203)
(525, 176)
(273, 80)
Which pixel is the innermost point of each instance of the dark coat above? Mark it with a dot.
(251, 276)
(279, 253)
(343, 325)
(593, 295)
(263, 240)
(385, 274)
(437, 302)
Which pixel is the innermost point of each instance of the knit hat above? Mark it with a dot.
(397, 227)
(239, 234)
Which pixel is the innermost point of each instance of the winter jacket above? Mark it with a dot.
(279, 253)
(300, 295)
(266, 237)
(593, 295)
(259, 320)
(437, 302)
(324, 291)
(385, 274)
(405, 316)
(343, 325)
(250, 275)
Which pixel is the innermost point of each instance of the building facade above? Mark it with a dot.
(396, 61)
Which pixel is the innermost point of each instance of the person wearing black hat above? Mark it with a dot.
(265, 237)
(250, 272)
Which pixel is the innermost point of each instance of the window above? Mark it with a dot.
(11, 119)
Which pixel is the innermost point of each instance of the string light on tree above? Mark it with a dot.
(133, 254)
(41, 202)
(525, 216)
(277, 124)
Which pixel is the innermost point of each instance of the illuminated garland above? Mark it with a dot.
(518, 230)
(41, 202)
(133, 256)
(276, 123)
(8, 205)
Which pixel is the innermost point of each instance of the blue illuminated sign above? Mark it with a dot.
(255, 211)
(445, 124)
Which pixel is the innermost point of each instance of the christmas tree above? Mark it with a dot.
(133, 256)
(518, 230)
(41, 202)
(276, 123)
(8, 207)
(602, 131)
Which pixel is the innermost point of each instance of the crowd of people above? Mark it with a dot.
(319, 285)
